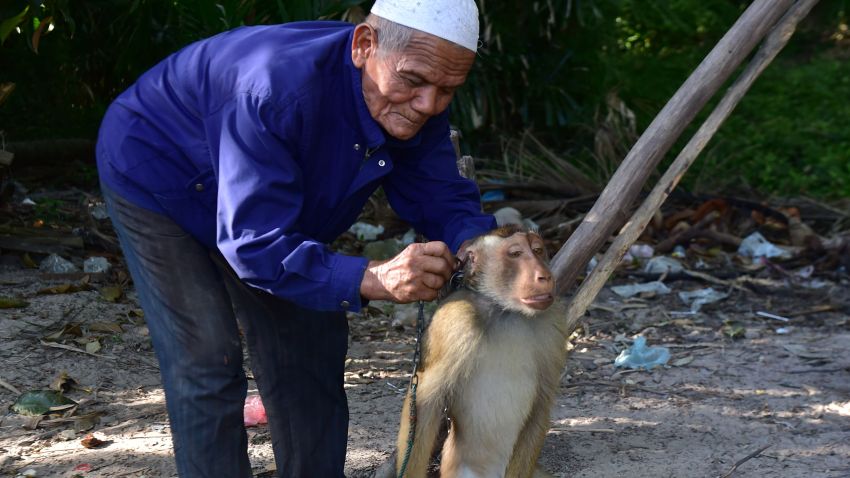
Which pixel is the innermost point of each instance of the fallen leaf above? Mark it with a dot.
(39, 402)
(85, 423)
(12, 303)
(64, 289)
(734, 330)
(91, 441)
(72, 330)
(111, 293)
(63, 383)
(93, 347)
(28, 262)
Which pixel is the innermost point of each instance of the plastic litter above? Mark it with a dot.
(772, 316)
(783, 330)
(663, 265)
(409, 237)
(57, 265)
(640, 356)
(508, 215)
(756, 247)
(254, 411)
(98, 211)
(700, 297)
(366, 232)
(630, 290)
(805, 272)
(679, 252)
(94, 265)
(591, 265)
(494, 195)
(27, 202)
(641, 251)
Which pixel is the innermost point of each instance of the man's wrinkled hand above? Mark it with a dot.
(416, 273)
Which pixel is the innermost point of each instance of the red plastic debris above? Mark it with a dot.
(255, 412)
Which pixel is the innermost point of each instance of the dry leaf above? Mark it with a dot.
(63, 383)
(64, 289)
(111, 293)
(28, 262)
(91, 441)
(93, 347)
(72, 330)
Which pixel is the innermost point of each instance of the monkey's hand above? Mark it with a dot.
(416, 273)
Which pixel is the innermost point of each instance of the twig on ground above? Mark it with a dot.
(9, 386)
(744, 460)
(75, 349)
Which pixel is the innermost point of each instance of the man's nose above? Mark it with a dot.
(425, 101)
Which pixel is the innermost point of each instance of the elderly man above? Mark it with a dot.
(229, 166)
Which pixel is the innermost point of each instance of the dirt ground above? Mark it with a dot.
(719, 400)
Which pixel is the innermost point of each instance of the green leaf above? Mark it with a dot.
(8, 25)
(12, 303)
(39, 402)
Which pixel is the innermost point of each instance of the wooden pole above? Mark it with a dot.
(610, 210)
(773, 44)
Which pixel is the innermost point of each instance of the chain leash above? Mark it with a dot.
(414, 383)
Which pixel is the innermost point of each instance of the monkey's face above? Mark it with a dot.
(513, 271)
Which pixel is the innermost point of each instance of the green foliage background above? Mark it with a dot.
(557, 68)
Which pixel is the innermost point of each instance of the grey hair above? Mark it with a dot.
(392, 36)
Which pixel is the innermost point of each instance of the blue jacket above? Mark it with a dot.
(258, 142)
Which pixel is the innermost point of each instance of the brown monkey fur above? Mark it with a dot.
(491, 357)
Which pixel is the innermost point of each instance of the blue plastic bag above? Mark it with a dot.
(641, 356)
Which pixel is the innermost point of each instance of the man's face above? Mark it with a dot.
(403, 89)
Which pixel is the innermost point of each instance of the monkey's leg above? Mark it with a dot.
(523, 462)
(428, 419)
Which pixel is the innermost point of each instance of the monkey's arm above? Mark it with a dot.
(428, 417)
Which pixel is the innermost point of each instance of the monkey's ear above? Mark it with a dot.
(469, 268)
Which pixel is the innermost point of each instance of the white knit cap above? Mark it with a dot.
(452, 20)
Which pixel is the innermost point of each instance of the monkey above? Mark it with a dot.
(491, 361)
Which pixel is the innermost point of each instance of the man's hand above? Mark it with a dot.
(417, 273)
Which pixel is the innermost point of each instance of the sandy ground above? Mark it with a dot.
(723, 400)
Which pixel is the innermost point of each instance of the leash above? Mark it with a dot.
(455, 282)
(414, 383)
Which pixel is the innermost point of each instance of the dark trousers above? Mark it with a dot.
(192, 302)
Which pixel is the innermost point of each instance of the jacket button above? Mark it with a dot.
(382, 163)
(345, 304)
(199, 187)
(356, 147)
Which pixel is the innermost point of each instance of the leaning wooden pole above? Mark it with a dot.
(610, 210)
(773, 44)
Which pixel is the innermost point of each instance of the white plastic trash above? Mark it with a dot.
(663, 265)
(756, 246)
(630, 290)
(366, 232)
(700, 297)
(94, 265)
(55, 264)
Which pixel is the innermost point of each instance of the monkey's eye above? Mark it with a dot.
(538, 251)
(514, 254)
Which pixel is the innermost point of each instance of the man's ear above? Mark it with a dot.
(363, 44)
